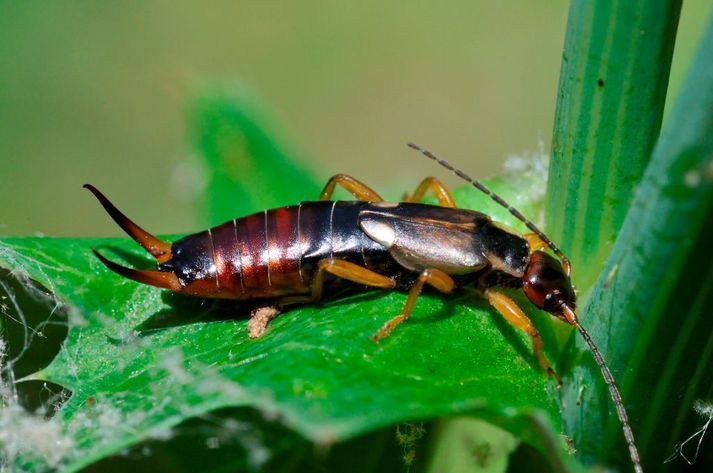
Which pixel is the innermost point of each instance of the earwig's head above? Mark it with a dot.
(546, 284)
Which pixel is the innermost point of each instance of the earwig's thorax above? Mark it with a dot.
(505, 251)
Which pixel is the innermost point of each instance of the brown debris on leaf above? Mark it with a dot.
(259, 319)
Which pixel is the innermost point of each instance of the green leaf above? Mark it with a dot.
(139, 360)
(248, 164)
(650, 308)
(610, 103)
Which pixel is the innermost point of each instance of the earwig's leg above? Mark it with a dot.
(535, 242)
(259, 319)
(516, 317)
(340, 268)
(435, 278)
(355, 187)
(349, 271)
(343, 269)
(443, 195)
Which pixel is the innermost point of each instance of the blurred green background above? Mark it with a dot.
(101, 93)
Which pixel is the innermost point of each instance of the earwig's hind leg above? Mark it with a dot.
(349, 271)
(355, 187)
(261, 317)
(342, 269)
(435, 278)
(516, 317)
(443, 195)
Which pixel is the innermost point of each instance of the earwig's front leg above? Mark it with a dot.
(355, 187)
(516, 317)
(435, 278)
(440, 191)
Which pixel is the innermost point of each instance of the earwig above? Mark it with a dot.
(303, 253)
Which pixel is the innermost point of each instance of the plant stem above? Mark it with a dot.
(615, 70)
(650, 308)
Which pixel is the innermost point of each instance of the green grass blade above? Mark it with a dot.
(248, 165)
(650, 308)
(615, 69)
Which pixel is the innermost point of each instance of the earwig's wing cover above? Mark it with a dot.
(422, 236)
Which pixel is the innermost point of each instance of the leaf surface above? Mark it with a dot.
(139, 360)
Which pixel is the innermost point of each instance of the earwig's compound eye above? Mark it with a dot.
(546, 284)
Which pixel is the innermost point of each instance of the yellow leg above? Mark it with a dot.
(349, 271)
(443, 195)
(355, 187)
(345, 270)
(516, 317)
(435, 278)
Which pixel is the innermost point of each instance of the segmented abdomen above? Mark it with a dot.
(275, 253)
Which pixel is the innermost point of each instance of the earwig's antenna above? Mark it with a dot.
(571, 317)
(513, 211)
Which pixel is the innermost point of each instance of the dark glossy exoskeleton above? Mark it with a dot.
(302, 253)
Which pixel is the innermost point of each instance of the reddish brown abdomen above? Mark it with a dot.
(273, 253)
